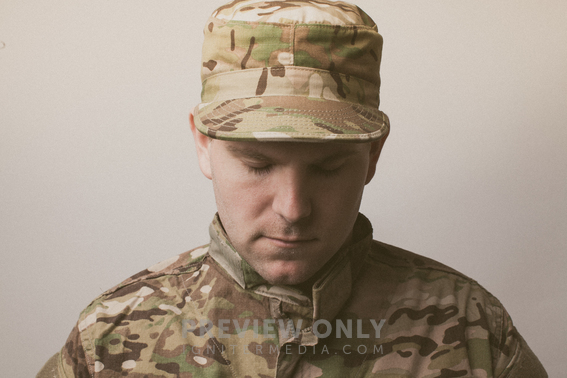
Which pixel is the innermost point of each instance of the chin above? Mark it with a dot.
(286, 275)
(289, 281)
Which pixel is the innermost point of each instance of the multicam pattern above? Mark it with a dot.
(438, 323)
(277, 11)
(287, 53)
(290, 118)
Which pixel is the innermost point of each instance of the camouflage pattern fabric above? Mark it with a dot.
(206, 313)
(305, 70)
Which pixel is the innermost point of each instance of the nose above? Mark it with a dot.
(292, 198)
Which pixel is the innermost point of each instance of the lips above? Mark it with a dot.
(289, 242)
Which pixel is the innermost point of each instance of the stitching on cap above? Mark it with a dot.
(216, 113)
(292, 44)
(288, 119)
(341, 136)
(232, 107)
(294, 24)
(327, 26)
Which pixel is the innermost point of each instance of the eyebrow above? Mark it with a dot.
(256, 155)
(247, 152)
(336, 156)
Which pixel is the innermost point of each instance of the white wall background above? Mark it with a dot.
(98, 174)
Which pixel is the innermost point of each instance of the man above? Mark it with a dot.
(292, 284)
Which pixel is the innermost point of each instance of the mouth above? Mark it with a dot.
(287, 242)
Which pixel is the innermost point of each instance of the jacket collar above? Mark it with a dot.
(329, 292)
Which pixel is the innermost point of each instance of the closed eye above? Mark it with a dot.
(260, 171)
(327, 172)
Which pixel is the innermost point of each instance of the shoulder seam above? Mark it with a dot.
(172, 272)
(152, 275)
(439, 267)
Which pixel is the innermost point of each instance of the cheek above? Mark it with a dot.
(347, 188)
(340, 201)
(237, 200)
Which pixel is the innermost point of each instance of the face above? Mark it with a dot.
(287, 207)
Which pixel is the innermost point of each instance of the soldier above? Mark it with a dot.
(292, 284)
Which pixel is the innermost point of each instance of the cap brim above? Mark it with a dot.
(290, 118)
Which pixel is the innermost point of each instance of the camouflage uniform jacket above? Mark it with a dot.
(375, 311)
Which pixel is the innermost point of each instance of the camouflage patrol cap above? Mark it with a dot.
(301, 70)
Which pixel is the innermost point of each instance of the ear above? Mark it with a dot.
(375, 149)
(202, 146)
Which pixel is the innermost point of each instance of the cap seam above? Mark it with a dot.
(288, 123)
(347, 103)
(293, 25)
(321, 25)
(230, 106)
(307, 127)
(292, 44)
(296, 133)
(354, 135)
(301, 111)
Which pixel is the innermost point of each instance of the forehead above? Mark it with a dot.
(304, 151)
